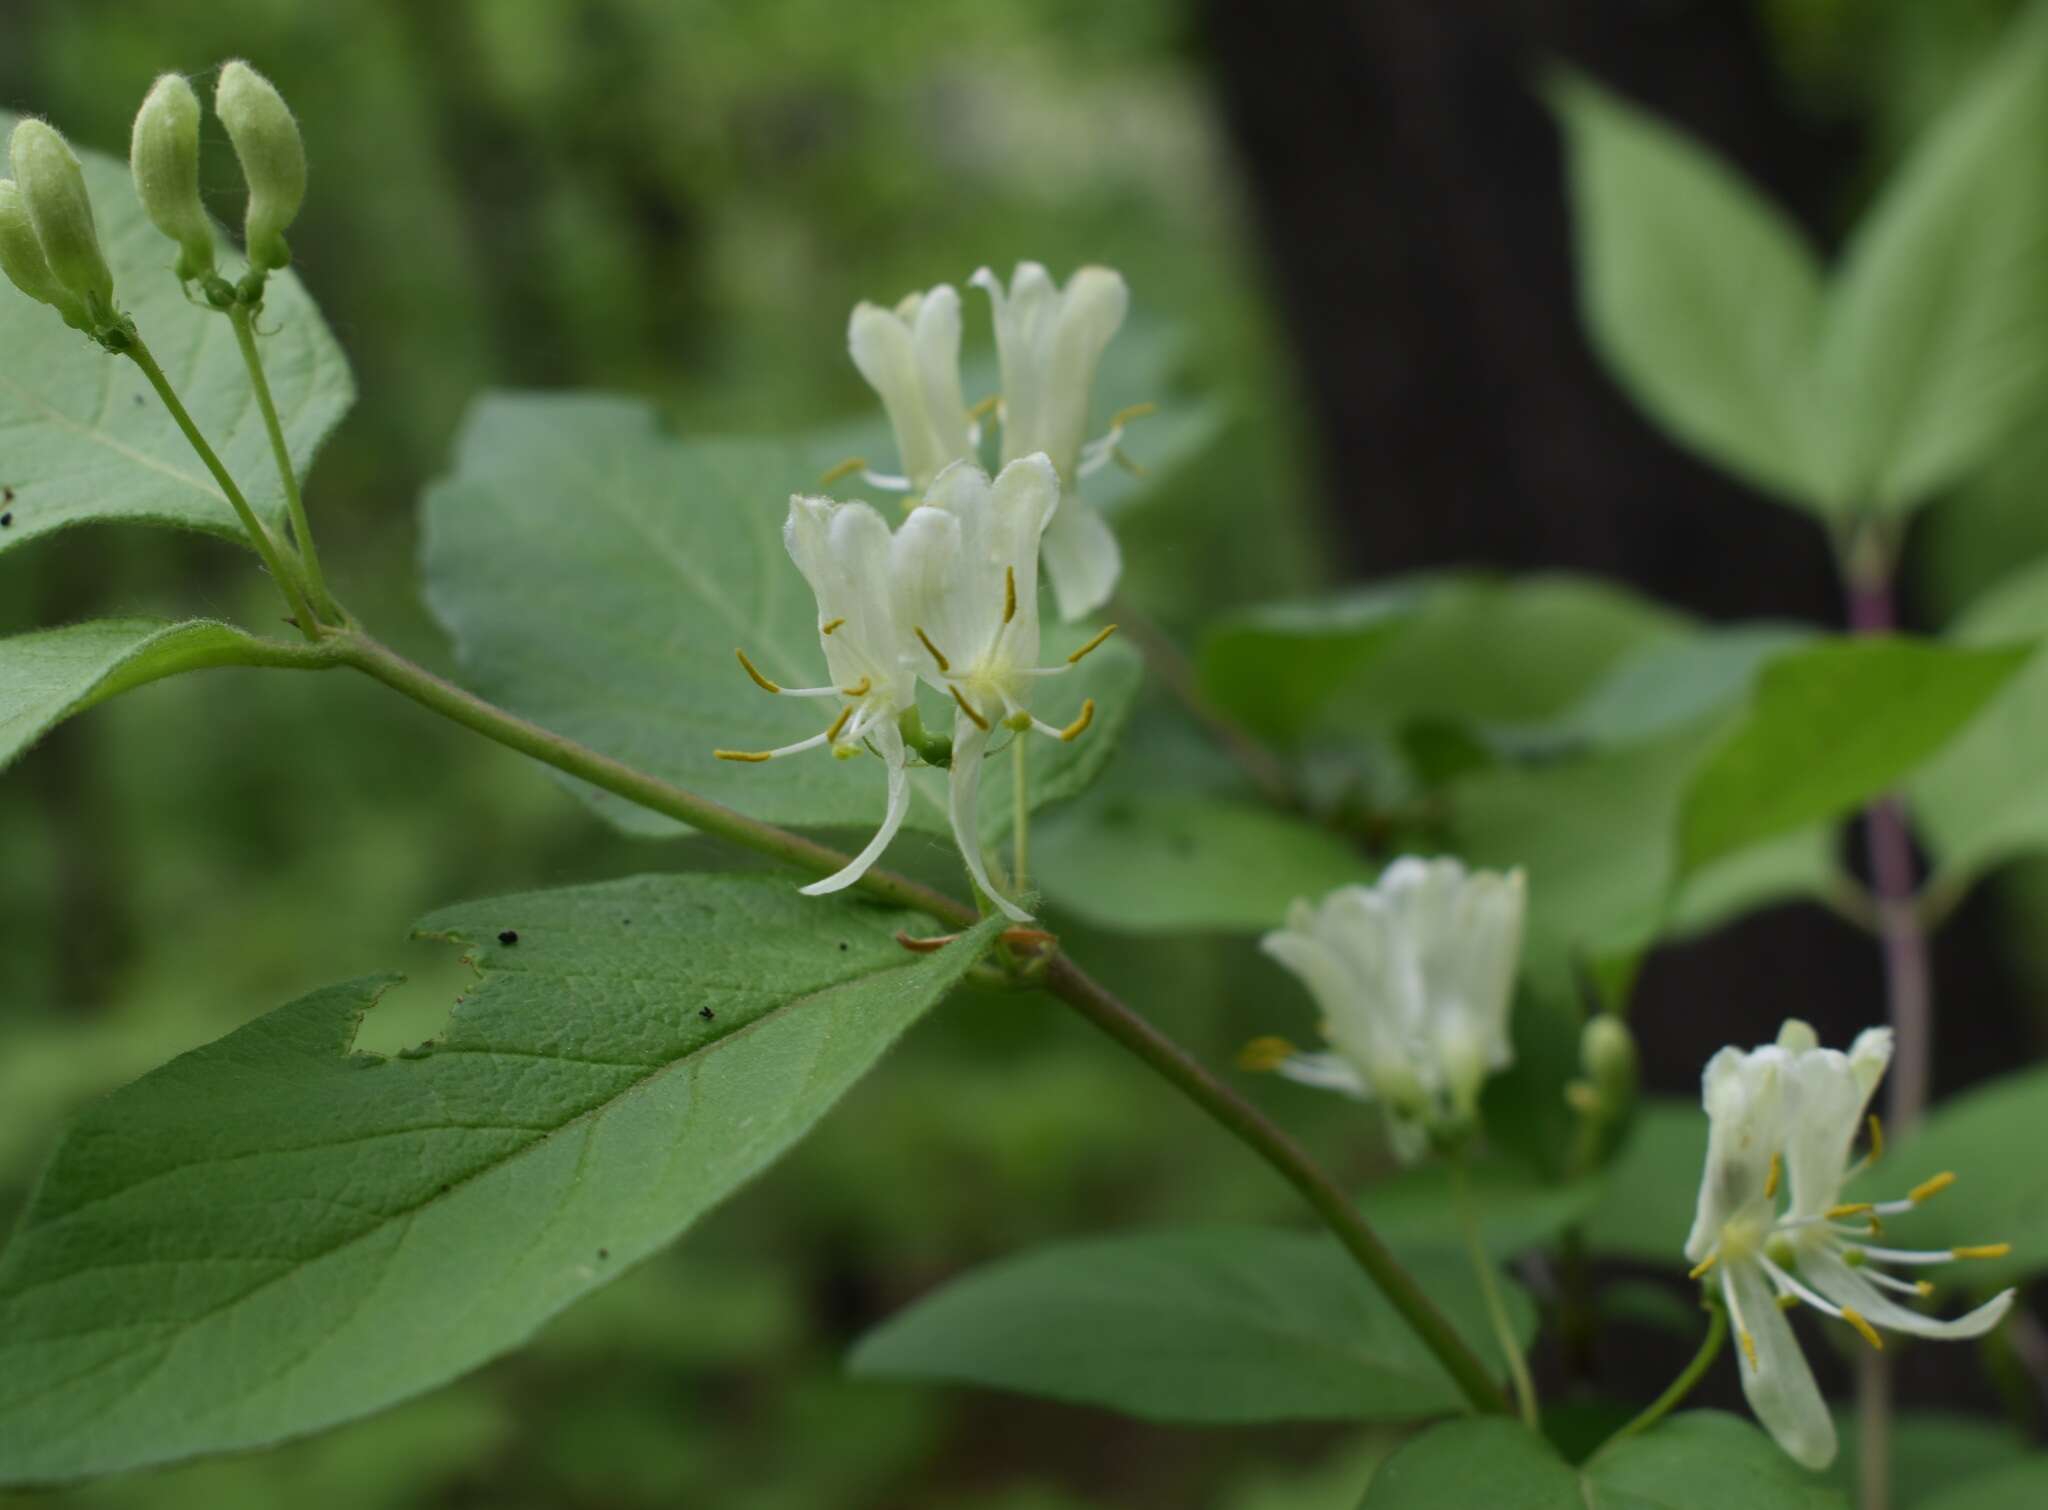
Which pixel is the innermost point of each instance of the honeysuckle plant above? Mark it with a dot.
(1460, 828)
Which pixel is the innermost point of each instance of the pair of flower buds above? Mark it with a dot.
(1414, 977)
(950, 597)
(49, 243)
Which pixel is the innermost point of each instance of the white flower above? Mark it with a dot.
(1795, 1108)
(911, 357)
(965, 566)
(1414, 977)
(1049, 341)
(843, 550)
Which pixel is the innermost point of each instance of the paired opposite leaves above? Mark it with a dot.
(88, 440)
(1221, 1325)
(597, 575)
(271, 1234)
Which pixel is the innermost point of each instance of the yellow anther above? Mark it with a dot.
(1853, 1208)
(1075, 658)
(1264, 1054)
(937, 654)
(846, 468)
(986, 407)
(1864, 1328)
(1079, 726)
(1699, 1270)
(1009, 593)
(1788, 1302)
(755, 672)
(1927, 1189)
(832, 734)
(828, 628)
(747, 755)
(1772, 1179)
(968, 708)
(1981, 1250)
(845, 752)
(1748, 1347)
(1876, 1138)
(1925, 1287)
(1124, 416)
(860, 688)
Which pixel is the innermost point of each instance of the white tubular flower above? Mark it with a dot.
(1414, 976)
(910, 356)
(1049, 341)
(843, 550)
(1795, 1108)
(965, 565)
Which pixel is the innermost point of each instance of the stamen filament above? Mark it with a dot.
(1913, 1256)
(755, 672)
(937, 654)
(1075, 658)
(846, 468)
(965, 706)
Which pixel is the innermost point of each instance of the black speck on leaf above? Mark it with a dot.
(604, 1253)
(706, 1013)
(6, 521)
(844, 946)
(509, 937)
(6, 495)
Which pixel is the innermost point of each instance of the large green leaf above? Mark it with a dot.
(1702, 297)
(1936, 340)
(1830, 727)
(1419, 1208)
(1653, 1185)
(1226, 1324)
(1176, 863)
(1988, 1138)
(1935, 1454)
(273, 1234)
(86, 437)
(1982, 800)
(51, 674)
(597, 575)
(1702, 1460)
(2017, 1486)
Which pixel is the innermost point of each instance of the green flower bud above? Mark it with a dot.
(273, 159)
(53, 194)
(1608, 1051)
(164, 156)
(22, 259)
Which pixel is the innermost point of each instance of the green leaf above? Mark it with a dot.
(87, 439)
(272, 1234)
(2017, 1486)
(1981, 800)
(1467, 649)
(1187, 863)
(52, 674)
(1936, 339)
(597, 575)
(1652, 1186)
(1227, 1324)
(1989, 1137)
(1702, 1460)
(1932, 1450)
(1418, 1208)
(1670, 682)
(1703, 299)
(1830, 727)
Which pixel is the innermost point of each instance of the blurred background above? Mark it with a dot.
(1350, 214)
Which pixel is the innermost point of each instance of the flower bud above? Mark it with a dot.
(164, 156)
(1608, 1051)
(272, 155)
(53, 194)
(21, 258)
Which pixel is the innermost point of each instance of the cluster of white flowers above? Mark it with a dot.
(950, 598)
(1783, 1120)
(1414, 977)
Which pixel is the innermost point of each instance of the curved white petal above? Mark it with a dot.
(969, 740)
(1828, 1273)
(1775, 1376)
(1092, 307)
(1082, 557)
(890, 740)
(1329, 1072)
(1744, 1098)
(1824, 1100)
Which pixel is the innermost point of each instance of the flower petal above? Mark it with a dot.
(890, 740)
(1775, 1376)
(1828, 1273)
(1081, 557)
(969, 741)
(1329, 1072)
